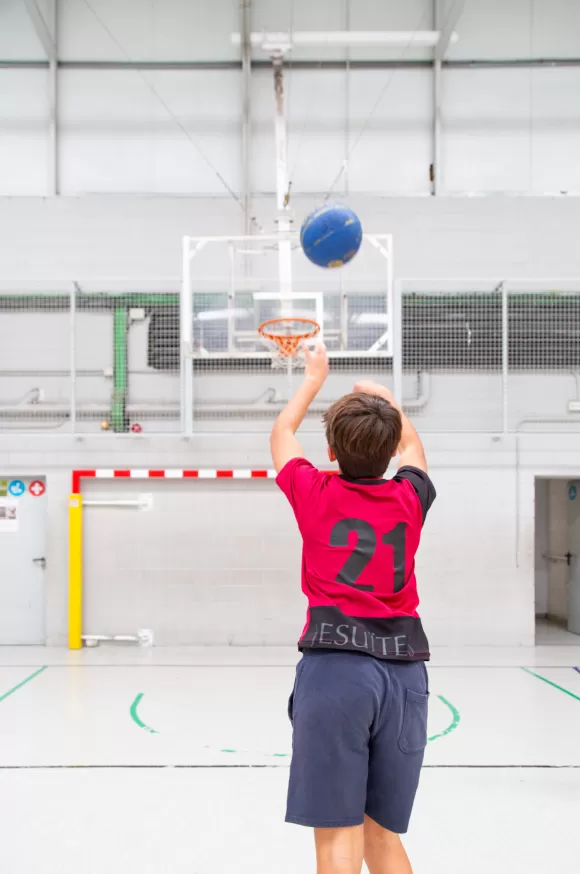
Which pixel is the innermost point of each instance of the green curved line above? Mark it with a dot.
(135, 715)
(456, 719)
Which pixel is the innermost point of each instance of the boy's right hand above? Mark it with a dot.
(316, 363)
(369, 387)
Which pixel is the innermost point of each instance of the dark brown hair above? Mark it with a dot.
(363, 431)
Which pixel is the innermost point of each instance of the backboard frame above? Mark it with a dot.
(255, 244)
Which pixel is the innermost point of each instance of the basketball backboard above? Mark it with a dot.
(235, 287)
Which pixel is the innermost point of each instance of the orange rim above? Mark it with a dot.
(288, 343)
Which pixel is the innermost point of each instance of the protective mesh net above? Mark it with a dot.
(452, 356)
(461, 374)
(543, 388)
(106, 358)
(127, 358)
(75, 358)
(35, 352)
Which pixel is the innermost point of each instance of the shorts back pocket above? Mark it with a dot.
(413, 737)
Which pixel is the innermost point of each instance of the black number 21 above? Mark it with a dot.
(364, 551)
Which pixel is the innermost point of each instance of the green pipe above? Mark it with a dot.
(119, 398)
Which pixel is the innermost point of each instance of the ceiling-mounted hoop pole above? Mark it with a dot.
(284, 217)
(383, 243)
(246, 47)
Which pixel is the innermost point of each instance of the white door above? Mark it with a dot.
(22, 562)
(574, 556)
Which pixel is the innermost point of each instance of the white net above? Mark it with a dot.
(285, 339)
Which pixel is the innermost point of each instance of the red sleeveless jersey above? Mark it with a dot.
(358, 560)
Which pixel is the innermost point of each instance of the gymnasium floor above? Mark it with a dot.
(165, 761)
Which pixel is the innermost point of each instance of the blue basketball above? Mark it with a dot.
(331, 236)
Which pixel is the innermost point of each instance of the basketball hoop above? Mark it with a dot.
(284, 337)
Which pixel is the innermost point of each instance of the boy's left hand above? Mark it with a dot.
(316, 363)
(368, 387)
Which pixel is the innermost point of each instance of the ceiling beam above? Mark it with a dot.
(42, 30)
(263, 64)
(448, 29)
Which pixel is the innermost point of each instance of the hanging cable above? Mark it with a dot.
(173, 116)
(377, 103)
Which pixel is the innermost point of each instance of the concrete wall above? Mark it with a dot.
(219, 562)
(129, 243)
(477, 560)
(135, 182)
(475, 565)
(212, 563)
(93, 239)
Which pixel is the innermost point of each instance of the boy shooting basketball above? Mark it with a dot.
(359, 705)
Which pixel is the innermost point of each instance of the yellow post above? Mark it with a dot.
(75, 573)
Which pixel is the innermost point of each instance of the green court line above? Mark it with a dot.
(135, 716)
(23, 683)
(456, 719)
(550, 683)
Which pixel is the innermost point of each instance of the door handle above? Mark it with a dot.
(40, 561)
(556, 558)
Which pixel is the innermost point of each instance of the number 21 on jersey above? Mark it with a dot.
(365, 549)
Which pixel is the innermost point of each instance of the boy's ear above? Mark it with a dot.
(331, 454)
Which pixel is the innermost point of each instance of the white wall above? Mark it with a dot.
(471, 594)
(125, 238)
(212, 563)
(476, 562)
(219, 563)
(503, 130)
(117, 137)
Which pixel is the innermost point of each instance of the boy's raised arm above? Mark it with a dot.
(283, 443)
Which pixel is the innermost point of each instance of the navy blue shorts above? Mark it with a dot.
(360, 731)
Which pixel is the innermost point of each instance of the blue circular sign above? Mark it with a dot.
(16, 488)
(572, 492)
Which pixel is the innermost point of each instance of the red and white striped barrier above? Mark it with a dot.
(135, 473)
